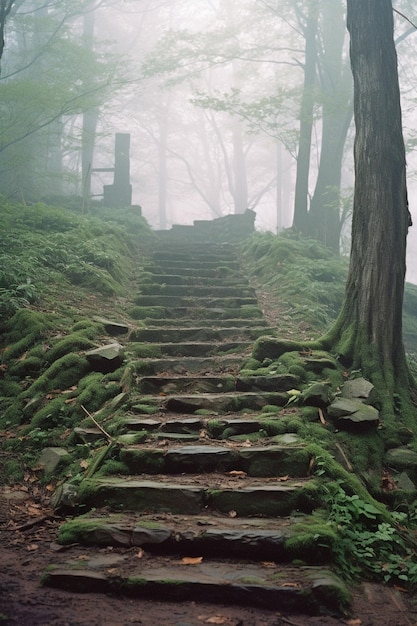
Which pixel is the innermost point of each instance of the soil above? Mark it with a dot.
(27, 547)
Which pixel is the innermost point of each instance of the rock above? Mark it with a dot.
(112, 328)
(107, 358)
(352, 412)
(317, 394)
(405, 483)
(51, 458)
(400, 458)
(359, 388)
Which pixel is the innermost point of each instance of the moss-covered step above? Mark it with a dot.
(175, 258)
(198, 291)
(190, 365)
(165, 313)
(212, 402)
(225, 302)
(275, 539)
(257, 461)
(191, 494)
(188, 349)
(285, 588)
(189, 384)
(213, 277)
(190, 323)
(203, 334)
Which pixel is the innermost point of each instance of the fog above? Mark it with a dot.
(230, 104)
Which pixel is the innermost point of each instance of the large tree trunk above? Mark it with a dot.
(336, 88)
(368, 332)
(300, 221)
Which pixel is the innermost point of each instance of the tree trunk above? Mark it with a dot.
(300, 221)
(336, 88)
(368, 332)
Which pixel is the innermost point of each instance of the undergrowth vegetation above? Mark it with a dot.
(59, 268)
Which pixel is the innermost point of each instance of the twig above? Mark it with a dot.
(405, 17)
(108, 437)
(321, 416)
(346, 460)
(31, 523)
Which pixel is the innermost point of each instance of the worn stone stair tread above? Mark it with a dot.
(199, 333)
(221, 402)
(248, 424)
(318, 590)
(194, 348)
(197, 290)
(215, 384)
(238, 461)
(239, 323)
(190, 494)
(231, 302)
(216, 313)
(234, 279)
(192, 365)
(211, 535)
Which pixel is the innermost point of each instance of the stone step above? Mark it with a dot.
(200, 270)
(260, 461)
(215, 278)
(215, 384)
(209, 254)
(231, 302)
(190, 349)
(217, 427)
(189, 365)
(249, 312)
(199, 334)
(207, 323)
(283, 588)
(214, 402)
(197, 291)
(190, 494)
(206, 535)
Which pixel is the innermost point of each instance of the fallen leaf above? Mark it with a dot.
(282, 479)
(191, 560)
(353, 622)
(321, 416)
(268, 563)
(32, 547)
(84, 464)
(232, 514)
(50, 488)
(237, 473)
(215, 619)
(140, 554)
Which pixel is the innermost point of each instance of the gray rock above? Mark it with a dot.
(405, 483)
(106, 358)
(51, 458)
(113, 328)
(359, 388)
(401, 458)
(347, 411)
(317, 394)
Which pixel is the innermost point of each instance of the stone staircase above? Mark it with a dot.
(193, 496)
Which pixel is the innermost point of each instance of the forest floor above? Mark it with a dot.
(27, 546)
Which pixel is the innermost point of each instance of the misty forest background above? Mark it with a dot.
(230, 105)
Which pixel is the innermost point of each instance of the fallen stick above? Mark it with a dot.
(101, 429)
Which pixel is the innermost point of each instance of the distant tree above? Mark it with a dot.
(5, 9)
(368, 331)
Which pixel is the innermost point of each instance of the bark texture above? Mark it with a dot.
(370, 324)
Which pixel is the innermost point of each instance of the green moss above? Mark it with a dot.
(62, 374)
(271, 408)
(29, 367)
(22, 331)
(54, 413)
(112, 467)
(145, 350)
(72, 343)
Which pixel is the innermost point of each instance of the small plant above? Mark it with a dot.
(368, 545)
